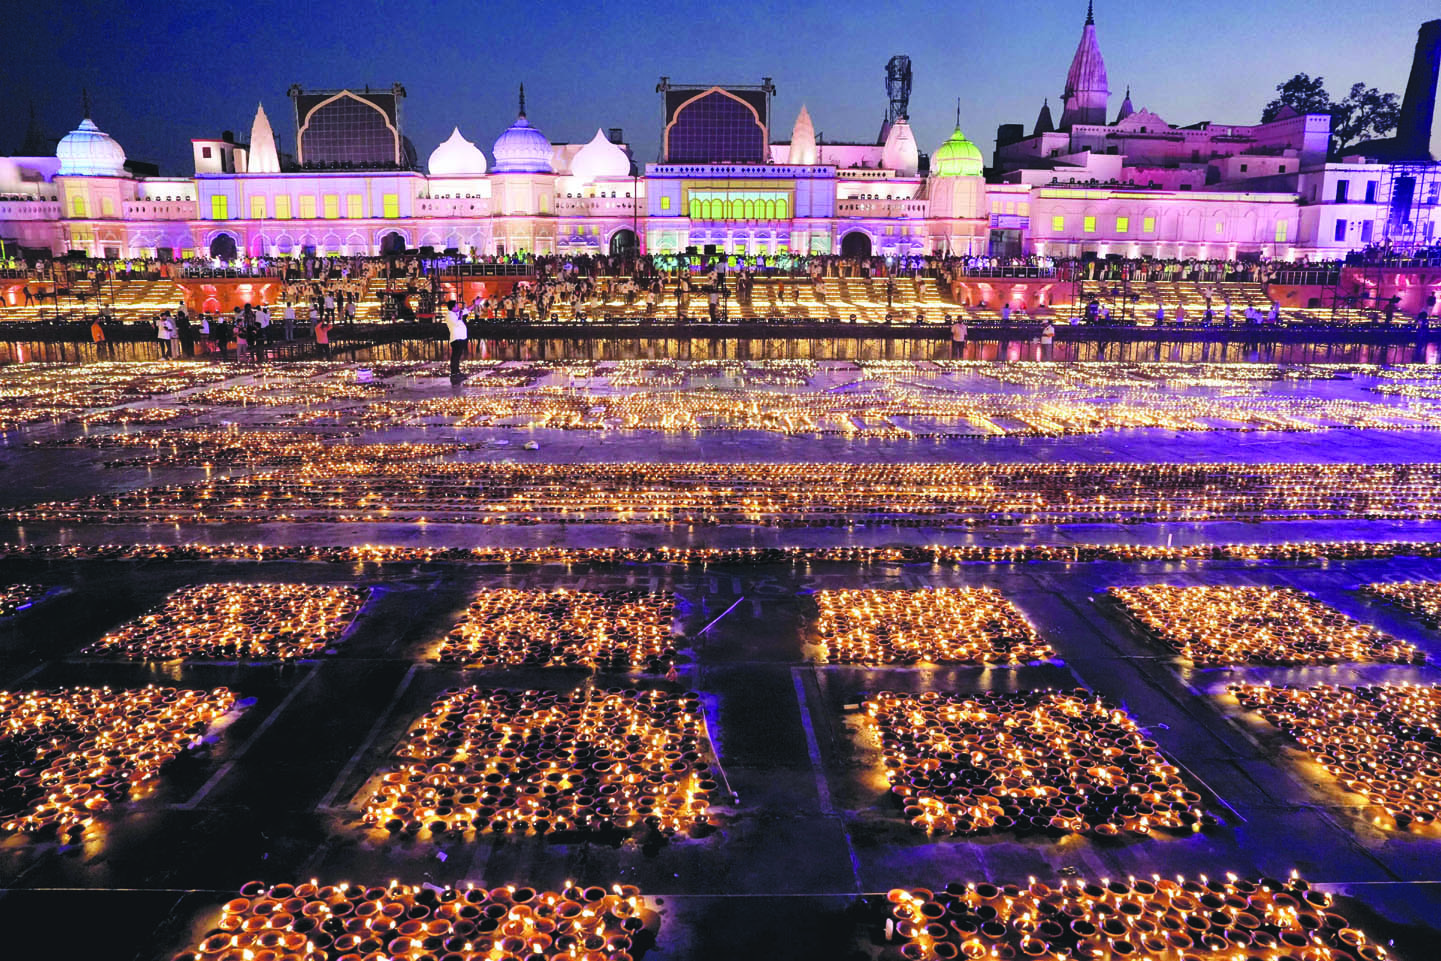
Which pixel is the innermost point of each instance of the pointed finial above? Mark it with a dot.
(958, 113)
(522, 100)
(1128, 91)
(1090, 13)
(85, 101)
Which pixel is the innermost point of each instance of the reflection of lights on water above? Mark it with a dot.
(1216, 625)
(1042, 761)
(542, 761)
(70, 753)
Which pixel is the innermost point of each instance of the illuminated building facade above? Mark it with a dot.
(1135, 186)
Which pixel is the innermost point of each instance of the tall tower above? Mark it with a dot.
(1086, 93)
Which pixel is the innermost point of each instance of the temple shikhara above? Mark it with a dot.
(1103, 179)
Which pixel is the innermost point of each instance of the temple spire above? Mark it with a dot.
(803, 140)
(1091, 12)
(1087, 92)
(522, 100)
(34, 144)
(1126, 108)
(958, 113)
(264, 158)
(1044, 121)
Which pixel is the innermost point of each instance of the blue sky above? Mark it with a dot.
(162, 73)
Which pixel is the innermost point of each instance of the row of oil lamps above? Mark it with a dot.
(897, 411)
(36, 393)
(972, 625)
(1219, 625)
(251, 448)
(931, 554)
(594, 629)
(775, 494)
(1419, 598)
(403, 922)
(239, 621)
(590, 760)
(14, 598)
(1047, 762)
(1110, 919)
(1380, 741)
(70, 753)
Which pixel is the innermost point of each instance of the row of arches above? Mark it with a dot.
(228, 245)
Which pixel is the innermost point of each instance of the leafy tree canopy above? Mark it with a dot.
(1364, 114)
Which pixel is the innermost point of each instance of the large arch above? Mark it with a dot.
(392, 243)
(223, 244)
(857, 243)
(623, 243)
(717, 102)
(329, 102)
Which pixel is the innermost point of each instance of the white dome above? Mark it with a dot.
(456, 157)
(88, 150)
(522, 149)
(598, 159)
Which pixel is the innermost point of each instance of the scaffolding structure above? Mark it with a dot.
(1412, 193)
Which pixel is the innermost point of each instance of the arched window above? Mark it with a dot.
(781, 208)
(750, 209)
(346, 128)
(715, 127)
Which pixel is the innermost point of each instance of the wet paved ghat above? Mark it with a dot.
(657, 662)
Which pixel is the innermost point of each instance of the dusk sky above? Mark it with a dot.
(162, 73)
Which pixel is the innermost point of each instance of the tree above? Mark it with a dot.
(1302, 94)
(1365, 114)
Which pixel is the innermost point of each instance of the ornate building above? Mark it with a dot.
(1134, 186)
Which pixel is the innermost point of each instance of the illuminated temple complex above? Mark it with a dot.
(1101, 179)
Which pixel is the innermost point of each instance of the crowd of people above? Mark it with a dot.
(695, 287)
(642, 269)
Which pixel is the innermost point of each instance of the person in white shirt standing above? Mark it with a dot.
(455, 326)
(959, 332)
(289, 318)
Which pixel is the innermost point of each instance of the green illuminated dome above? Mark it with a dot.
(957, 157)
